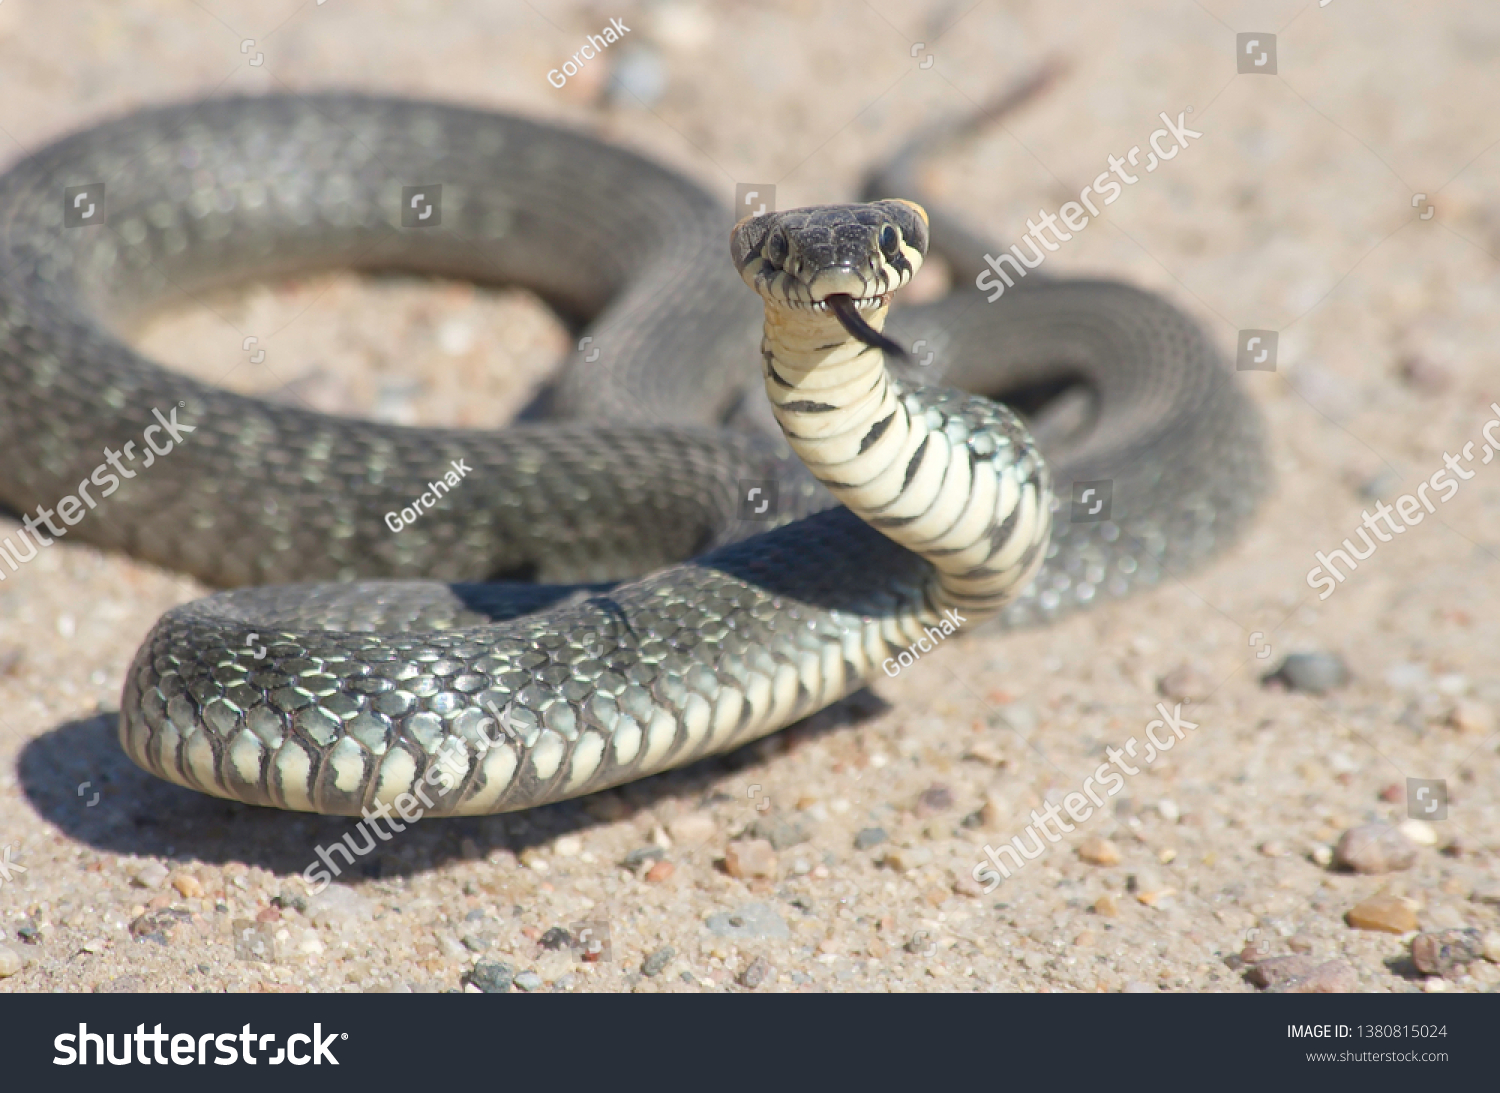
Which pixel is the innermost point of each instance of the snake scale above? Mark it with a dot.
(592, 604)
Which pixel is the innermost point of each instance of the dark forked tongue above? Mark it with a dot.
(847, 313)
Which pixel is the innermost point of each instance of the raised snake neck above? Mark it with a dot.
(353, 689)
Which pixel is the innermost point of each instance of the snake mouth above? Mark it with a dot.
(846, 309)
(835, 301)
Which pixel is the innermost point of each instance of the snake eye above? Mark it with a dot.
(776, 248)
(890, 239)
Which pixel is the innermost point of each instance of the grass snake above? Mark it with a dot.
(593, 603)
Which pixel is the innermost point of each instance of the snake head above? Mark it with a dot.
(845, 260)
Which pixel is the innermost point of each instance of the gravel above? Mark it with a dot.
(1006, 719)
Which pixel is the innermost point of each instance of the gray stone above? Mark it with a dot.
(1446, 952)
(1312, 673)
(491, 978)
(528, 981)
(868, 837)
(556, 938)
(637, 858)
(1279, 969)
(1374, 848)
(756, 973)
(779, 832)
(657, 962)
(748, 922)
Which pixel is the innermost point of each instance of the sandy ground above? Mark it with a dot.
(1294, 212)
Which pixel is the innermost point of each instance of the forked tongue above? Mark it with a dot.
(847, 312)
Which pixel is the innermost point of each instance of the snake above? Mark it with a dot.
(635, 576)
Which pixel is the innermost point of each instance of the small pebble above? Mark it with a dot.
(1312, 673)
(905, 859)
(528, 981)
(756, 973)
(660, 872)
(639, 77)
(1419, 832)
(254, 941)
(1425, 375)
(1278, 969)
(1387, 913)
(934, 799)
(569, 846)
(1373, 849)
(992, 813)
(1271, 848)
(657, 962)
(1168, 810)
(748, 922)
(868, 837)
(1185, 683)
(491, 978)
(1322, 855)
(694, 828)
(1393, 794)
(1472, 717)
(637, 858)
(781, 833)
(150, 875)
(556, 938)
(1097, 851)
(1487, 892)
(1446, 952)
(337, 906)
(1300, 943)
(161, 926)
(10, 962)
(1330, 977)
(1107, 905)
(188, 886)
(982, 751)
(1149, 888)
(750, 858)
(1492, 947)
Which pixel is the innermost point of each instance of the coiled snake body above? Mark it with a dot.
(479, 694)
